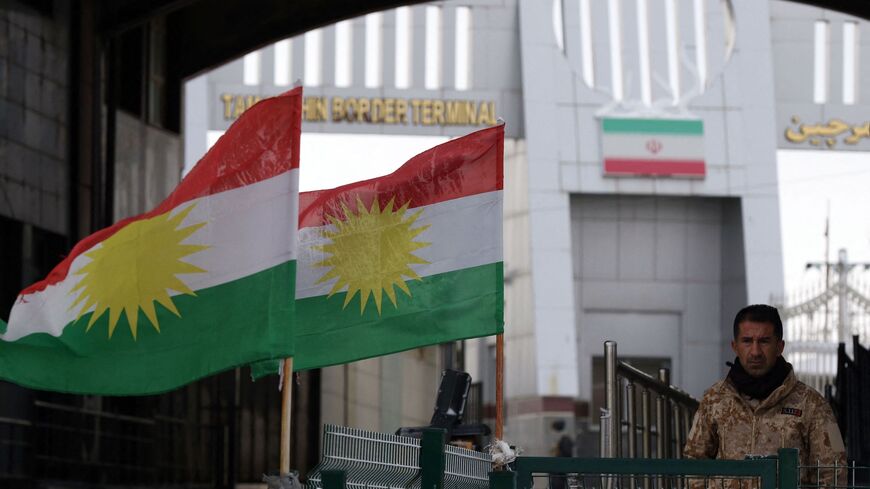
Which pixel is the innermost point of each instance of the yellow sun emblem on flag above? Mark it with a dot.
(372, 252)
(134, 268)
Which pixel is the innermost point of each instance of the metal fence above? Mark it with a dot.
(556, 473)
(822, 314)
(667, 421)
(431, 469)
(214, 433)
(382, 461)
(852, 403)
(782, 471)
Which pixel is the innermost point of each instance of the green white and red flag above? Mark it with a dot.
(653, 147)
(410, 259)
(202, 283)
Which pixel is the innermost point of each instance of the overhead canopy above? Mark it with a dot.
(204, 34)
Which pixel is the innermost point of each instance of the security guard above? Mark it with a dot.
(761, 407)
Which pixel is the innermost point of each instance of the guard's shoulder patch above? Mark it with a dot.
(792, 411)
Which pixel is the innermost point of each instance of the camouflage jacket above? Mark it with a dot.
(730, 426)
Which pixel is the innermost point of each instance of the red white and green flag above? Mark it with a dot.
(202, 283)
(654, 147)
(410, 259)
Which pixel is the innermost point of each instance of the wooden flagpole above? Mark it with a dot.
(286, 405)
(499, 387)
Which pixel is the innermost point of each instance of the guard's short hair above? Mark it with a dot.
(759, 313)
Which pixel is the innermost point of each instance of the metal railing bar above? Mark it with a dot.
(635, 375)
(367, 461)
(385, 442)
(466, 476)
(19, 422)
(14, 443)
(138, 468)
(102, 434)
(629, 466)
(92, 412)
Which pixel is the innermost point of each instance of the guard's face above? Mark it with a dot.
(757, 347)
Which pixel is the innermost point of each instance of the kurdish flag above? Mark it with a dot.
(656, 147)
(202, 283)
(410, 259)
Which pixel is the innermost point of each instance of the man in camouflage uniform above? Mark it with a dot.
(761, 407)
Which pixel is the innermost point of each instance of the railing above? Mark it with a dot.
(555, 473)
(780, 471)
(673, 411)
(215, 432)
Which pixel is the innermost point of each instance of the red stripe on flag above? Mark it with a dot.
(654, 167)
(261, 144)
(469, 165)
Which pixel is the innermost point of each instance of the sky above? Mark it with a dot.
(810, 181)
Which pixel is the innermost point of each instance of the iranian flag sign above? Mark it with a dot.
(202, 283)
(654, 147)
(410, 259)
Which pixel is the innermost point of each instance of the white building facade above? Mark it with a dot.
(641, 199)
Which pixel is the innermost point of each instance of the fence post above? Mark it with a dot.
(432, 458)
(524, 477)
(333, 479)
(503, 479)
(664, 430)
(611, 402)
(788, 475)
(646, 439)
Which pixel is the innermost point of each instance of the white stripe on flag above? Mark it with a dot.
(653, 146)
(463, 233)
(248, 229)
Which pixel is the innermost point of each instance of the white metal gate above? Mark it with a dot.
(819, 317)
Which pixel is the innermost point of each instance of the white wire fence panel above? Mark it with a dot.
(384, 461)
(466, 468)
(850, 476)
(370, 459)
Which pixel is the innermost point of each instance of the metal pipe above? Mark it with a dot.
(606, 448)
(611, 396)
(646, 438)
(605, 441)
(660, 421)
(687, 421)
(631, 416)
(663, 428)
(678, 430)
(660, 435)
(646, 445)
(636, 376)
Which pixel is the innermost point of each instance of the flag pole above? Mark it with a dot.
(499, 387)
(286, 403)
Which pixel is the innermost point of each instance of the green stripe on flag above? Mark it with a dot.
(468, 303)
(653, 126)
(232, 324)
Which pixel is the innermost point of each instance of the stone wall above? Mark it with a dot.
(34, 52)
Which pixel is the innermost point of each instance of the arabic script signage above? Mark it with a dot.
(829, 134)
